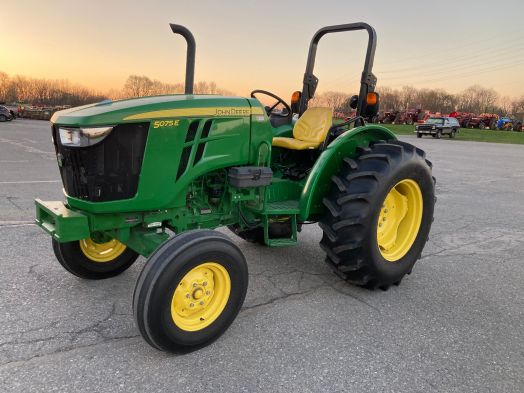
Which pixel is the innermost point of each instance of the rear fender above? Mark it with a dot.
(319, 183)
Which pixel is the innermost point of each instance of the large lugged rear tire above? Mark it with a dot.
(94, 261)
(379, 214)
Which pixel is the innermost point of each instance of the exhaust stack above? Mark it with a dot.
(190, 60)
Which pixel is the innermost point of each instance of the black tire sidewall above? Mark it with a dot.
(394, 271)
(74, 260)
(154, 293)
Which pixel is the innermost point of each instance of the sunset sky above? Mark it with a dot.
(244, 45)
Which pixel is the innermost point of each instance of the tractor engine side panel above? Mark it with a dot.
(176, 153)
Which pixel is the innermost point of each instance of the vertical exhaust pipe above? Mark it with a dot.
(190, 59)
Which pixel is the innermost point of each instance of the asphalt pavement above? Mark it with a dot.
(455, 325)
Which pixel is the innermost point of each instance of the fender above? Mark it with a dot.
(319, 182)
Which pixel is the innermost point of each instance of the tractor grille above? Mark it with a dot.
(106, 171)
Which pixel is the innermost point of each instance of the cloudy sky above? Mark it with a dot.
(243, 45)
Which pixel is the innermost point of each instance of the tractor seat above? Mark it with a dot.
(309, 131)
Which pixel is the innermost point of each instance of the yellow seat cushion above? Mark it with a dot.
(309, 131)
(294, 144)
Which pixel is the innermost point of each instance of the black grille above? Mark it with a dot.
(192, 130)
(207, 128)
(106, 171)
(184, 160)
(199, 153)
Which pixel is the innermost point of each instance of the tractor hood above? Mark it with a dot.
(147, 108)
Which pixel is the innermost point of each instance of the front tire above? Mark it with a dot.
(94, 261)
(190, 291)
(389, 183)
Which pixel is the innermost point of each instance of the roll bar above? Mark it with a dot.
(190, 59)
(367, 81)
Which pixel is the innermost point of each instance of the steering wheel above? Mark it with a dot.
(269, 109)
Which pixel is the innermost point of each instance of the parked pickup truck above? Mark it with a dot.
(438, 126)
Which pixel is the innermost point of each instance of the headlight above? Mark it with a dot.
(81, 137)
(433, 127)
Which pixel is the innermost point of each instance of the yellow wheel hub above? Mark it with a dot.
(101, 252)
(201, 296)
(399, 220)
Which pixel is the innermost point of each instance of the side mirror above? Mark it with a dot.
(353, 102)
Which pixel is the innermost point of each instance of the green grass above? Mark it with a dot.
(468, 134)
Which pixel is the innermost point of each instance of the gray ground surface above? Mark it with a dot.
(455, 325)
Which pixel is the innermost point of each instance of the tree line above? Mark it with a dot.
(476, 99)
(58, 92)
(54, 92)
(45, 92)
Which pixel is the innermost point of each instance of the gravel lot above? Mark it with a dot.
(455, 325)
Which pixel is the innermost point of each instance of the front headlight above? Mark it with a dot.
(81, 137)
(433, 127)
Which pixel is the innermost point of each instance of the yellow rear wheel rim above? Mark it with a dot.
(399, 220)
(201, 296)
(101, 252)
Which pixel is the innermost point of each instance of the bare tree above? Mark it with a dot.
(478, 99)
(505, 105)
(517, 106)
(408, 96)
(389, 98)
(138, 86)
(4, 86)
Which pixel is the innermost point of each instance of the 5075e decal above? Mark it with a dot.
(166, 123)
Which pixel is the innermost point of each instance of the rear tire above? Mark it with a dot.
(356, 204)
(3, 118)
(190, 291)
(75, 260)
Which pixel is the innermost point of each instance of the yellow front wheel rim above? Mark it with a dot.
(399, 220)
(101, 252)
(201, 296)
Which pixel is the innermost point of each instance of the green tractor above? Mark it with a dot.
(154, 176)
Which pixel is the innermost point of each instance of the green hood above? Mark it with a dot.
(147, 108)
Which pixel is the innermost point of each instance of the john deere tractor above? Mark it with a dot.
(154, 176)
